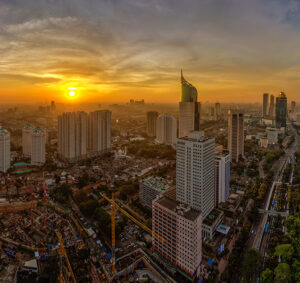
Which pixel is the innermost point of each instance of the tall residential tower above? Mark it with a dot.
(27, 139)
(236, 135)
(166, 129)
(72, 136)
(4, 150)
(99, 131)
(38, 150)
(151, 123)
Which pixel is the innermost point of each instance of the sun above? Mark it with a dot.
(72, 91)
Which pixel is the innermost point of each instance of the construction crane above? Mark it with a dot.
(115, 206)
(62, 252)
(44, 200)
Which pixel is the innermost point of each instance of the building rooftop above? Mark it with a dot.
(157, 183)
(28, 126)
(195, 136)
(181, 209)
(225, 152)
(3, 131)
(212, 217)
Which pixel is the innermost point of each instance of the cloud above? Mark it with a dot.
(251, 44)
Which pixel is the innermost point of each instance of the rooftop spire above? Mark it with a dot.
(182, 79)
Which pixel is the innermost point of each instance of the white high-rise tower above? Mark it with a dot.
(38, 151)
(26, 139)
(72, 135)
(99, 131)
(195, 175)
(4, 150)
(166, 129)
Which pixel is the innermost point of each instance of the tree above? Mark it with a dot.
(88, 207)
(282, 273)
(83, 180)
(285, 251)
(104, 221)
(250, 264)
(61, 193)
(267, 276)
(80, 196)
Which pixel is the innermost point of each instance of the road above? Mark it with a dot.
(256, 239)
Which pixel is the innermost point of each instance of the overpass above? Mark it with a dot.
(273, 212)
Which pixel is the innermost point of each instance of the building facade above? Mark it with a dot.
(38, 150)
(72, 136)
(272, 107)
(281, 110)
(151, 123)
(150, 188)
(222, 177)
(180, 228)
(166, 129)
(218, 110)
(26, 139)
(236, 135)
(99, 131)
(272, 135)
(265, 105)
(195, 172)
(4, 150)
(293, 106)
(189, 109)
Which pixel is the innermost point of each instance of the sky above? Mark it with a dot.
(114, 50)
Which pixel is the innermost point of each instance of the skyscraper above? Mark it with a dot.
(181, 229)
(293, 106)
(99, 131)
(4, 150)
(151, 123)
(53, 106)
(38, 151)
(272, 107)
(72, 136)
(281, 110)
(222, 177)
(189, 109)
(26, 139)
(236, 135)
(195, 171)
(265, 104)
(81, 134)
(218, 110)
(166, 129)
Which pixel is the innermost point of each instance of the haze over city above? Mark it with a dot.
(149, 141)
(112, 51)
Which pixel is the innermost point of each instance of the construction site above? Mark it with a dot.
(40, 242)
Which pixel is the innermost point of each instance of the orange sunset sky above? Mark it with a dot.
(111, 51)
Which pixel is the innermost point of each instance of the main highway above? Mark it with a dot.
(263, 228)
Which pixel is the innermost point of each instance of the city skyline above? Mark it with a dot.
(116, 50)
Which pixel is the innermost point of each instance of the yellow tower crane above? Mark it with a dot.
(115, 206)
(62, 252)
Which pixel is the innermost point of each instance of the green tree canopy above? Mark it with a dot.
(88, 207)
(282, 273)
(250, 264)
(267, 276)
(285, 251)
